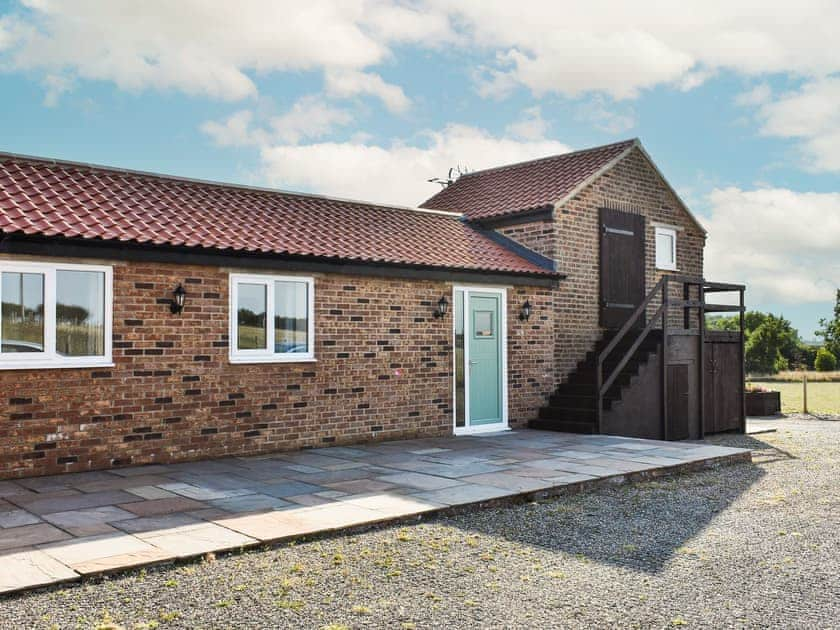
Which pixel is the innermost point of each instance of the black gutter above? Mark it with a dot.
(136, 252)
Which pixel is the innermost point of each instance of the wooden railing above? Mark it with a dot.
(662, 288)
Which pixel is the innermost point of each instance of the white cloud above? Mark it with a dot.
(810, 114)
(597, 112)
(758, 95)
(530, 126)
(620, 48)
(201, 47)
(55, 85)
(236, 130)
(310, 117)
(782, 243)
(397, 172)
(347, 83)
(217, 48)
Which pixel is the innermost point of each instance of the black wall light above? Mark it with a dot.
(179, 297)
(442, 307)
(525, 311)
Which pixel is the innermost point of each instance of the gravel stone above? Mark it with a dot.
(745, 546)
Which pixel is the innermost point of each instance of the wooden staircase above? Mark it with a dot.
(572, 408)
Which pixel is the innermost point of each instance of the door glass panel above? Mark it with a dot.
(291, 328)
(460, 384)
(80, 313)
(22, 312)
(251, 321)
(483, 323)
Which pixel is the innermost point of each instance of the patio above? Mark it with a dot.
(64, 527)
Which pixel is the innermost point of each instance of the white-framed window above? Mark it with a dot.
(666, 248)
(55, 315)
(272, 318)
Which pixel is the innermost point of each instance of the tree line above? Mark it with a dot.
(772, 344)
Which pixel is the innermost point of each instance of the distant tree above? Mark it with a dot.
(825, 361)
(721, 322)
(771, 345)
(830, 331)
(71, 314)
(754, 319)
(803, 357)
(247, 317)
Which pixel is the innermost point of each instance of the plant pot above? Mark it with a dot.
(763, 403)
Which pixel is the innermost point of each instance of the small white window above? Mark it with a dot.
(271, 319)
(55, 315)
(666, 248)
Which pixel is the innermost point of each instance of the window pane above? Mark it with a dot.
(251, 320)
(80, 313)
(664, 248)
(291, 311)
(22, 312)
(458, 316)
(483, 323)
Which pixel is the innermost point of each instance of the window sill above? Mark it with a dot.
(247, 360)
(658, 268)
(46, 365)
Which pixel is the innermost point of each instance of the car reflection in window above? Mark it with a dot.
(21, 346)
(290, 347)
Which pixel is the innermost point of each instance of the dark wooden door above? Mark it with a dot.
(678, 402)
(622, 266)
(722, 384)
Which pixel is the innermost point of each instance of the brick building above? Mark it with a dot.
(148, 318)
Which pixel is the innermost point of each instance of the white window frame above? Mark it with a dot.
(666, 231)
(50, 359)
(267, 355)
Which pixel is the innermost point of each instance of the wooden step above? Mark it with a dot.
(572, 406)
(561, 399)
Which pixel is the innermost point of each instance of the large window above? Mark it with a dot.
(271, 319)
(54, 315)
(666, 248)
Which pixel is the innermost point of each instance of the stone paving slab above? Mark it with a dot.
(64, 527)
(30, 568)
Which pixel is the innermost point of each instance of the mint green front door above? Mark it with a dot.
(484, 361)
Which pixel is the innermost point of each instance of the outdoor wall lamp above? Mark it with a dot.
(179, 297)
(442, 307)
(525, 311)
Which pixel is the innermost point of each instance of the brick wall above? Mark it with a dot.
(383, 371)
(575, 243)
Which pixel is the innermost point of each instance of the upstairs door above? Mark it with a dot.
(622, 266)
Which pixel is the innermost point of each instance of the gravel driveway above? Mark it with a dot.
(743, 546)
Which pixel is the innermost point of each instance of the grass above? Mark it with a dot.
(71, 339)
(823, 397)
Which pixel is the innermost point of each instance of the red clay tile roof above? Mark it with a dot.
(41, 197)
(524, 186)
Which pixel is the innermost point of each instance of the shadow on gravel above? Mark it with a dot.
(763, 453)
(640, 526)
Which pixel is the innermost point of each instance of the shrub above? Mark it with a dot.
(825, 361)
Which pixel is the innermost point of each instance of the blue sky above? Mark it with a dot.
(368, 99)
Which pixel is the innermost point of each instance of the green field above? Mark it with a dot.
(822, 397)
